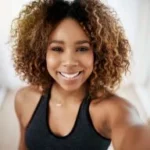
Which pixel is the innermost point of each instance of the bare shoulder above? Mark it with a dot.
(122, 115)
(116, 104)
(26, 100)
(112, 111)
(119, 107)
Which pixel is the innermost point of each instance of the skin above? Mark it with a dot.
(113, 118)
(69, 51)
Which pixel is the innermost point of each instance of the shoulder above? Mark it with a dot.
(120, 110)
(26, 93)
(26, 100)
(116, 112)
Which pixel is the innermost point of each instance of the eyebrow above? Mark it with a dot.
(62, 42)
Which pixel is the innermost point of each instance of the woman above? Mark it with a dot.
(73, 55)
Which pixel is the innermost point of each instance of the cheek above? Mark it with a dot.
(51, 62)
(89, 60)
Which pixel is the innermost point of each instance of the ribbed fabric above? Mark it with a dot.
(83, 136)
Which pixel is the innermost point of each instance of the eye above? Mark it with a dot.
(57, 49)
(83, 49)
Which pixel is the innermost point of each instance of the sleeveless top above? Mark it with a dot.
(83, 136)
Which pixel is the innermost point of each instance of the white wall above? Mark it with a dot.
(8, 10)
(135, 16)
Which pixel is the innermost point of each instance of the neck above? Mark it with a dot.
(59, 95)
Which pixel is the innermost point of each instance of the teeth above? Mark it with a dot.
(69, 75)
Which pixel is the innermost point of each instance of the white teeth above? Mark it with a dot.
(69, 75)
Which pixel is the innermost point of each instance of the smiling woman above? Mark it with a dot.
(73, 55)
(69, 60)
(38, 21)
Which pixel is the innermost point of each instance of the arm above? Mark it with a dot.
(137, 137)
(128, 132)
(18, 110)
(26, 100)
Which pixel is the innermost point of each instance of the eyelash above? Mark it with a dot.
(59, 49)
(85, 49)
(54, 49)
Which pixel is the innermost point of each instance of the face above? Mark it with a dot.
(69, 55)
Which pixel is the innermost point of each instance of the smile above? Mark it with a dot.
(70, 76)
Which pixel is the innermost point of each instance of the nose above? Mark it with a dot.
(70, 60)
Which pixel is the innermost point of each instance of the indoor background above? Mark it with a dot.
(135, 87)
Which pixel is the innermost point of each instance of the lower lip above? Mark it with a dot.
(71, 79)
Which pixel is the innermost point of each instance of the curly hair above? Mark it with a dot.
(30, 34)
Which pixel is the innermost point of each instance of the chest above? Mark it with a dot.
(62, 121)
(67, 128)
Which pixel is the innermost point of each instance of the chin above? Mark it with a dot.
(71, 88)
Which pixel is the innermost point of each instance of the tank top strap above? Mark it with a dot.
(39, 110)
(81, 119)
(87, 101)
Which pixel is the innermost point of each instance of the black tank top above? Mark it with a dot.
(83, 136)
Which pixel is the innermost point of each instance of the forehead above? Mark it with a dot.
(69, 29)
